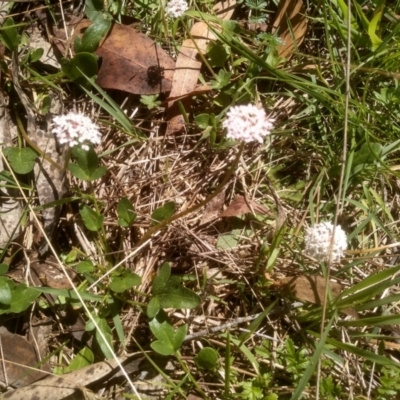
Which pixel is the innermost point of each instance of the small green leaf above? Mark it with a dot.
(3, 268)
(22, 298)
(124, 282)
(92, 36)
(84, 358)
(202, 121)
(170, 292)
(153, 307)
(36, 54)
(164, 212)
(126, 213)
(91, 219)
(178, 297)
(84, 266)
(207, 358)
(94, 9)
(87, 167)
(5, 292)
(21, 160)
(217, 54)
(106, 330)
(161, 279)
(82, 62)
(168, 340)
(9, 35)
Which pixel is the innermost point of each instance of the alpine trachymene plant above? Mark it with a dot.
(74, 128)
(176, 8)
(247, 123)
(318, 242)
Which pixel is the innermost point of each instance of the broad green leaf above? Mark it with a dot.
(94, 9)
(106, 330)
(22, 298)
(92, 36)
(126, 213)
(84, 358)
(9, 35)
(178, 297)
(202, 120)
(218, 54)
(82, 62)
(5, 292)
(207, 358)
(91, 219)
(3, 268)
(228, 240)
(36, 55)
(164, 212)
(153, 307)
(170, 292)
(84, 266)
(168, 340)
(161, 278)
(21, 160)
(124, 282)
(87, 167)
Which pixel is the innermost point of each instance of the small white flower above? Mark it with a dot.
(74, 129)
(176, 8)
(247, 123)
(318, 241)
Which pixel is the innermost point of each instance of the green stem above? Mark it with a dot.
(184, 367)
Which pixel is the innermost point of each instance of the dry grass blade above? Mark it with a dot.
(187, 68)
(291, 25)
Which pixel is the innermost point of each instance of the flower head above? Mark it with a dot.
(318, 242)
(247, 123)
(176, 8)
(74, 129)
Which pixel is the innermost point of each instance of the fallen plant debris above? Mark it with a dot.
(191, 228)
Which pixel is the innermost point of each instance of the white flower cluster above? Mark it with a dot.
(318, 242)
(176, 8)
(247, 123)
(74, 129)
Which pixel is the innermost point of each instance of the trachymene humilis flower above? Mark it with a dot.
(318, 241)
(247, 123)
(74, 129)
(176, 8)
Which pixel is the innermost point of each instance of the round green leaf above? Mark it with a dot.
(164, 212)
(91, 219)
(21, 160)
(124, 282)
(126, 213)
(5, 292)
(153, 307)
(82, 62)
(3, 268)
(84, 266)
(207, 358)
(92, 36)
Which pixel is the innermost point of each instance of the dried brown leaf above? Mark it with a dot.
(18, 354)
(311, 289)
(187, 68)
(132, 62)
(291, 24)
(239, 206)
(213, 207)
